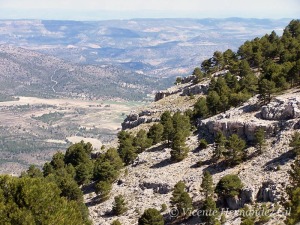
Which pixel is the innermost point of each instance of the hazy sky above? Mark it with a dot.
(125, 9)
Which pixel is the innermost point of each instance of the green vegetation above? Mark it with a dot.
(29, 200)
(50, 117)
(229, 186)
(151, 217)
(181, 200)
(202, 144)
(116, 222)
(260, 139)
(264, 65)
(294, 194)
(207, 185)
(295, 143)
(119, 205)
(209, 205)
(235, 147)
(155, 133)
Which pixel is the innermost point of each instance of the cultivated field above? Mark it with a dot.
(32, 129)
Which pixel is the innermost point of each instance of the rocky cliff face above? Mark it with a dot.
(281, 113)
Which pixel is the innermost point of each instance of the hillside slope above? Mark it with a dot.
(28, 73)
(148, 183)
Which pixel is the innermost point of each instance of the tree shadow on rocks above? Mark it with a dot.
(158, 148)
(161, 164)
(280, 160)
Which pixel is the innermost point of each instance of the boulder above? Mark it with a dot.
(156, 186)
(237, 202)
(281, 109)
(268, 192)
(196, 89)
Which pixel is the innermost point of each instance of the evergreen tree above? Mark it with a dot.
(119, 205)
(260, 139)
(105, 171)
(198, 74)
(141, 141)
(236, 147)
(151, 217)
(295, 173)
(294, 194)
(126, 150)
(212, 212)
(229, 186)
(181, 200)
(155, 133)
(179, 149)
(220, 141)
(295, 143)
(207, 185)
(266, 88)
(182, 124)
(200, 108)
(167, 122)
(103, 189)
(213, 102)
(179, 188)
(37, 201)
(32, 172)
(185, 205)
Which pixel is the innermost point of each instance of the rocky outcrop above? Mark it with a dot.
(130, 123)
(195, 90)
(238, 202)
(245, 129)
(157, 187)
(188, 79)
(268, 192)
(281, 109)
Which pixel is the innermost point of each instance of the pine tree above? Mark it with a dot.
(141, 141)
(211, 211)
(207, 185)
(200, 108)
(119, 205)
(236, 147)
(126, 150)
(294, 194)
(103, 189)
(185, 205)
(168, 131)
(181, 200)
(260, 139)
(229, 186)
(155, 133)
(179, 150)
(220, 142)
(179, 188)
(213, 102)
(266, 88)
(295, 143)
(151, 217)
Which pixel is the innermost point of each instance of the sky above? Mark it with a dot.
(128, 9)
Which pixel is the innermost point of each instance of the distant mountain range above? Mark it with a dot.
(155, 47)
(28, 73)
